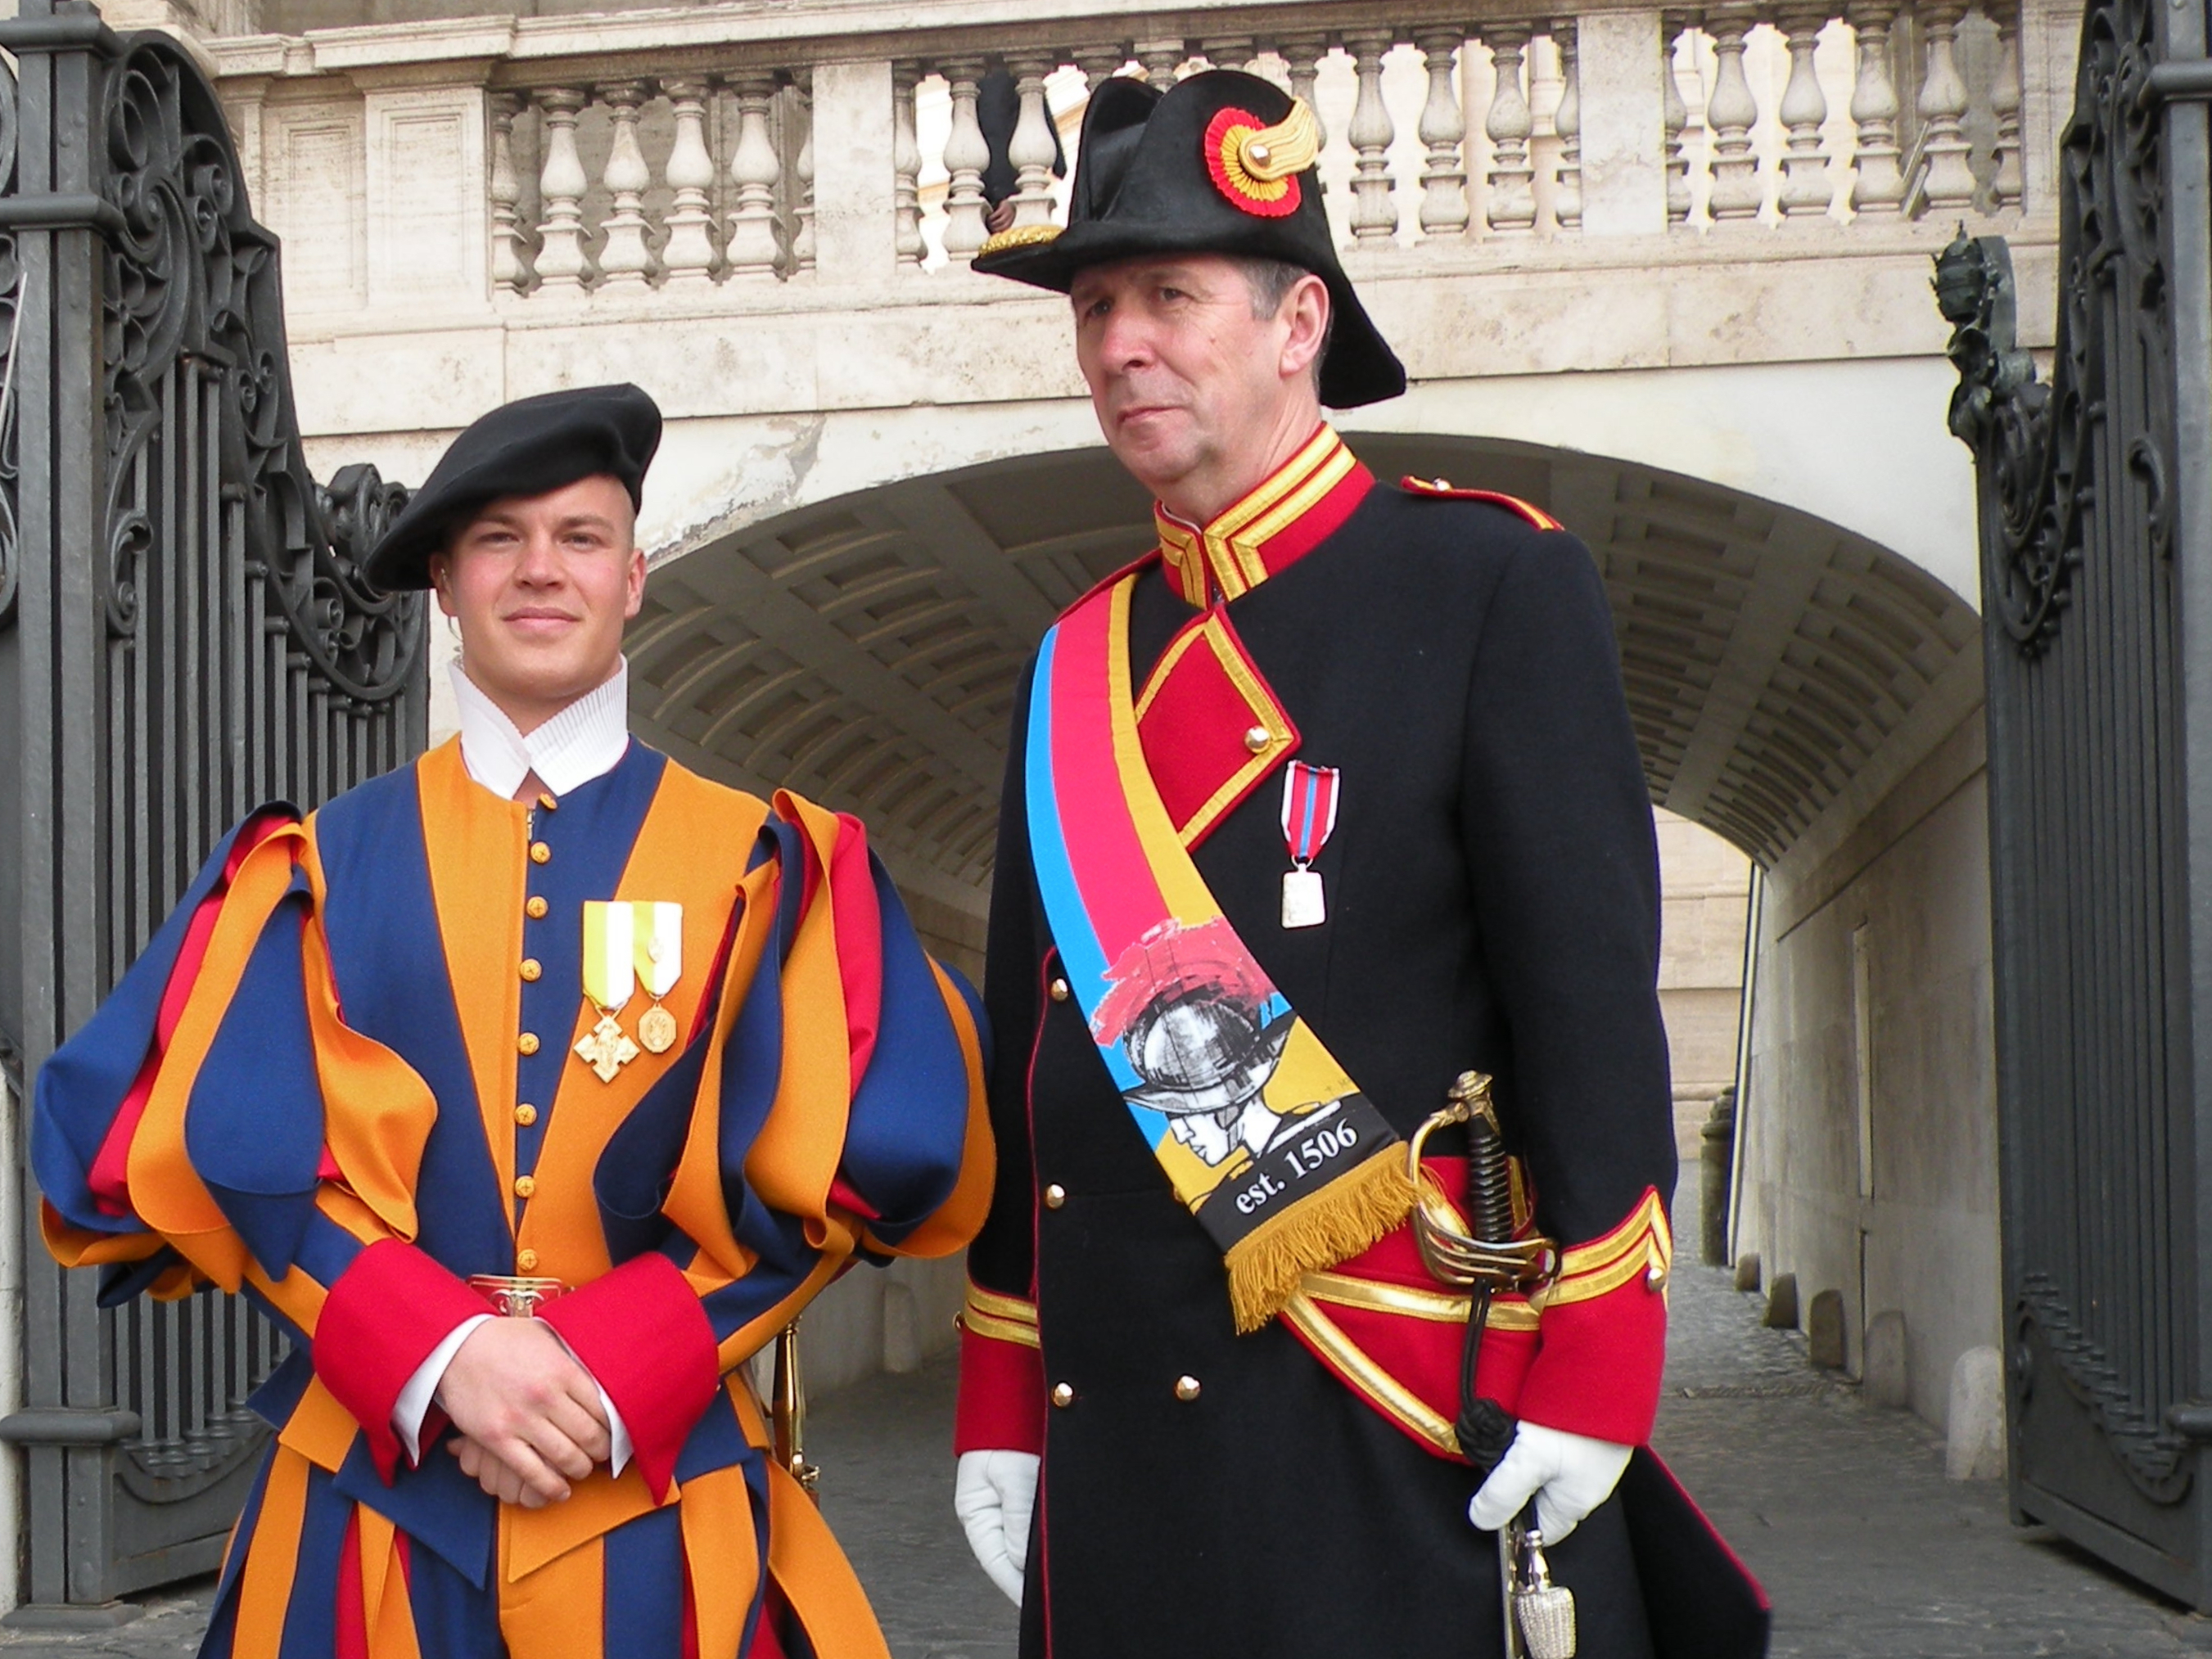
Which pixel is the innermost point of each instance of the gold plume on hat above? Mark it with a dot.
(1289, 146)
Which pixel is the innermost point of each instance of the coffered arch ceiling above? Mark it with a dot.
(865, 651)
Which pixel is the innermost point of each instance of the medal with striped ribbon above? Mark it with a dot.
(1309, 797)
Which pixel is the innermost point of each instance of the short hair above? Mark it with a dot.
(1271, 281)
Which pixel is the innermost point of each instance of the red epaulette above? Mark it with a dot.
(1513, 504)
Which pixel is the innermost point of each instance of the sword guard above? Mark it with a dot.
(1451, 1255)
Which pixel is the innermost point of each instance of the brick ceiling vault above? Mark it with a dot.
(864, 651)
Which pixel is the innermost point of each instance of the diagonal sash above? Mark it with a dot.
(1259, 1129)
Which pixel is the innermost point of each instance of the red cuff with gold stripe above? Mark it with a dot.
(382, 1319)
(643, 1336)
(1002, 1406)
(1601, 1338)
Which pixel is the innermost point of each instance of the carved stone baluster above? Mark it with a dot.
(1230, 51)
(1731, 112)
(2005, 104)
(1676, 117)
(1880, 187)
(1942, 104)
(563, 266)
(510, 267)
(1100, 64)
(1443, 127)
(1374, 211)
(689, 255)
(1567, 122)
(906, 165)
(1512, 187)
(802, 167)
(966, 156)
(625, 260)
(1030, 148)
(1161, 59)
(1302, 55)
(1806, 190)
(754, 170)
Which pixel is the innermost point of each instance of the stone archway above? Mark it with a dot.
(1780, 668)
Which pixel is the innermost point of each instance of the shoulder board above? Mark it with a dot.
(1442, 489)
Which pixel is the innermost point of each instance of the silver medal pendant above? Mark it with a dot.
(1304, 906)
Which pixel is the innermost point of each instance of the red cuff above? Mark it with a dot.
(1002, 1396)
(382, 1319)
(1598, 1364)
(643, 1336)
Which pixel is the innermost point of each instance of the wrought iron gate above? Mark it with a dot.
(2096, 516)
(182, 636)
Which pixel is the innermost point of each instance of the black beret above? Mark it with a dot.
(523, 448)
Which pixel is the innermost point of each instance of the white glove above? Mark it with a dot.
(1568, 1475)
(993, 1493)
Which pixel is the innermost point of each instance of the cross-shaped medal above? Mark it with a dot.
(606, 1047)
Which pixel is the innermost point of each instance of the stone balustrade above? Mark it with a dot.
(693, 165)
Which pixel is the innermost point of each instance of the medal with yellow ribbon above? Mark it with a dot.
(627, 943)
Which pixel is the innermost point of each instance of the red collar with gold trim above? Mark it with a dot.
(1288, 515)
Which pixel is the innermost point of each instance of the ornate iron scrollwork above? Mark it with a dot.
(2033, 442)
(192, 276)
(11, 290)
(2153, 1454)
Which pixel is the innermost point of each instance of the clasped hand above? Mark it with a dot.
(528, 1414)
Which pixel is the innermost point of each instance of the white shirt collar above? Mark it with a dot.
(582, 742)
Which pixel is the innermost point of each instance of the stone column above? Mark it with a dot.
(1444, 127)
(687, 255)
(857, 227)
(966, 156)
(1623, 70)
(1030, 149)
(1806, 190)
(755, 170)
(1880, 187)
(510, 268)
(1512, 179)
(624, 259)
(1374, 212)
(563, 266)
(1731, 112)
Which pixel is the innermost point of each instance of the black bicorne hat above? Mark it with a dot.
(1221, 163)
(523, 448)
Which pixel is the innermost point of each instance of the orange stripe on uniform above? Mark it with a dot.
(478, 858)
(272, 1558)
(554, 1613)
(719, 1549)
(814, 1576)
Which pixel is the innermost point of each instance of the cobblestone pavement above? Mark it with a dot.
(1867, 1550)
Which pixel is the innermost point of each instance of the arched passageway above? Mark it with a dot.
(1796, 687)
(865, 649)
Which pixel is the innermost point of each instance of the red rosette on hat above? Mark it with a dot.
(1225, 137)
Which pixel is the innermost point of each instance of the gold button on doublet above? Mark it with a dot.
(1186, 1388)
(1055, 1196)
(527, 1044)
(526, 1115)
(1256, 739)
(539, 851)
(537, 907)
(527, 1260)
(524, 1186)
(1063, 1394)
(530, 970)
(549, 803)
(1059, 991)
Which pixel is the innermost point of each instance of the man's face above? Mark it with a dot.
(541, 587)
(1183, 378)
(1205, 1133)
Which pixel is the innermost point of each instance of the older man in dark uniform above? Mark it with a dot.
(1328, 800)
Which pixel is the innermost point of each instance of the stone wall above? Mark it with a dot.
(1704, 889)
(1869, 1165)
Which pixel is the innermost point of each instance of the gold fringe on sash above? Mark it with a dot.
(1316, 1232)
